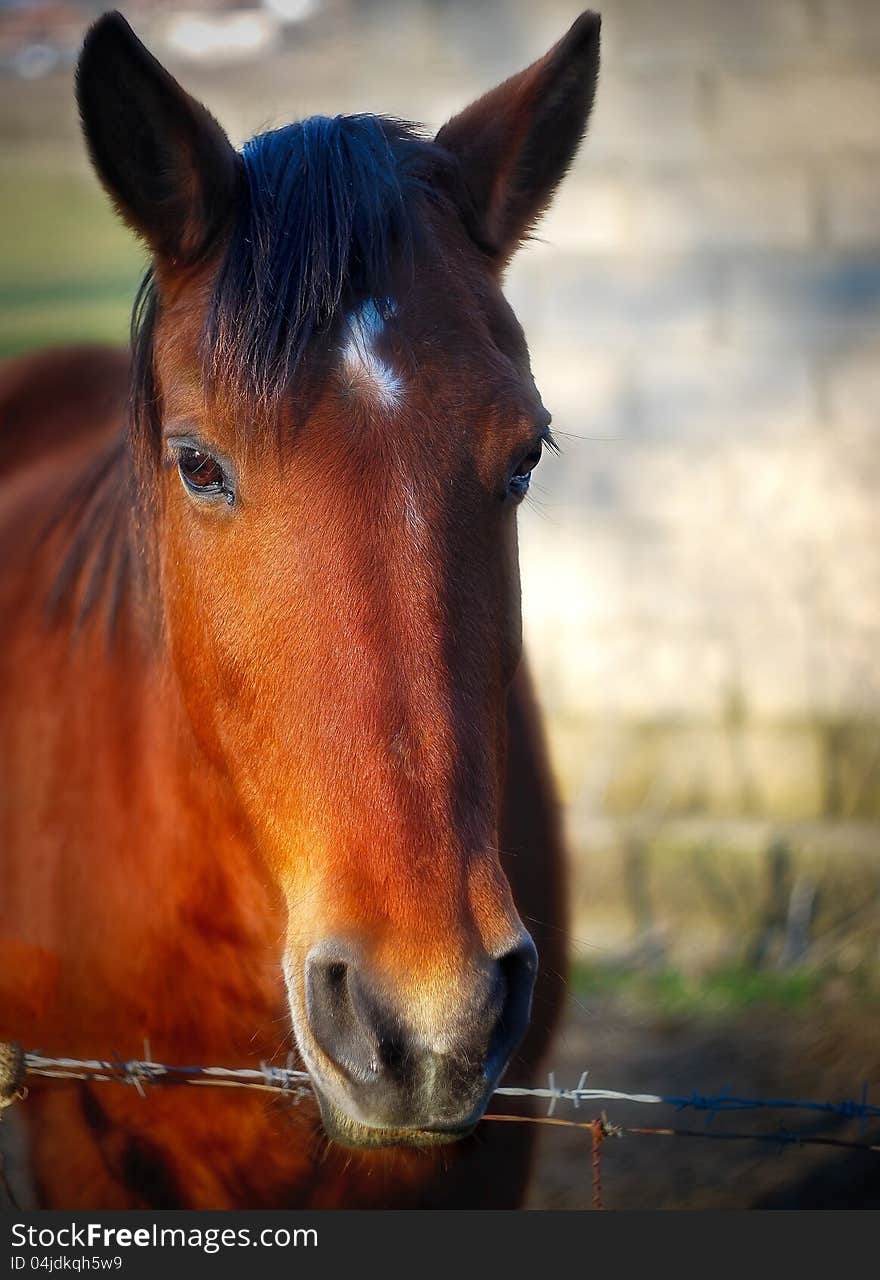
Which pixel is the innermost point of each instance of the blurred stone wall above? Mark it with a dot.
(705, 322)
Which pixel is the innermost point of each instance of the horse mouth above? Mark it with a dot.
(347, 1132)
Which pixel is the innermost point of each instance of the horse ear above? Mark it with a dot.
(516, 143)
(166, 163)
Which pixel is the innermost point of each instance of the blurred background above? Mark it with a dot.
(701, 566)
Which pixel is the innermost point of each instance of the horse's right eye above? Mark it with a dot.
(202, 474)
(200, 470)
(518, 485)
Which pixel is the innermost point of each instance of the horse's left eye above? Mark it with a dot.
(518, 485)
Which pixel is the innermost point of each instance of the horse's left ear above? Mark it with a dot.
(168, 166)
(516, 143)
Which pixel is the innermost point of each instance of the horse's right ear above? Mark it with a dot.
(166, 163)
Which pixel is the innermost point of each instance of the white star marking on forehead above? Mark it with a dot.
(363, 369)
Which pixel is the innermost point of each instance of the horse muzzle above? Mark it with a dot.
(383, 1078)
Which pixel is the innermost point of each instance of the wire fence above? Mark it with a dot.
(17, 1065)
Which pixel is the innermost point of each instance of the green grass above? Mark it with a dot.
(68, 268)
(719, 991)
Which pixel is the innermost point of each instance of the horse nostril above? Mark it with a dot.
(520, 964)
(391, 1051)
(517, 969)
(336, 1023)
(335, 975)
(347, 1021)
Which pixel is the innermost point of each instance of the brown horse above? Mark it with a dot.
(273, 776)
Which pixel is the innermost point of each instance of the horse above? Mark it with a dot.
(275, 780)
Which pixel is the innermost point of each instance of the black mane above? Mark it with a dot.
(330, 208)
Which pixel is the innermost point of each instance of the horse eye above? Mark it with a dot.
(518, 484)
(201, 473)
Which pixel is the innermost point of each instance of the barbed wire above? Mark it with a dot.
(140, 1072)
(16, 1065)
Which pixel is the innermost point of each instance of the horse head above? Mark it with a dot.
(334, 422)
